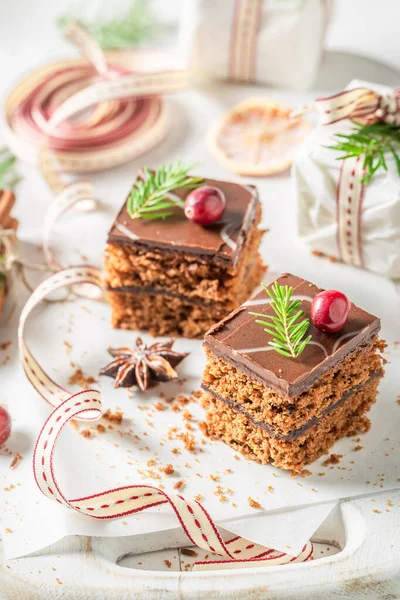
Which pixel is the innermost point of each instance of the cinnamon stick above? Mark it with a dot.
(7, 201)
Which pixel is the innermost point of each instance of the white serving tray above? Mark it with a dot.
(363, 557)
(356, 556)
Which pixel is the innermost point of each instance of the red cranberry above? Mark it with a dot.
(205, 205)
(5, 425)
(329, 310)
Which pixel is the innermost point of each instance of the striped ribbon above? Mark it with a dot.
(349, 201)
(197, 524)
(88, 114)
(127, 116)
(359, 103)
(244, 38)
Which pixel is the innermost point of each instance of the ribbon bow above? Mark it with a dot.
(360, 103)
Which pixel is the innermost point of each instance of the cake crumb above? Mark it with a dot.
(168, 470)
(357, 448)
(159, 406)
(116, 417)
(86, 433)
(188, 552)
(168, 563)
(199, 497)
(303, 473)
(334, 459)
(179, 484)
(80, 379)
(15, 461)
(219, 492)
(68, 347)
(253, 503)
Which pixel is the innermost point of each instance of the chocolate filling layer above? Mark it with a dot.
(295, 433)
(131, 289)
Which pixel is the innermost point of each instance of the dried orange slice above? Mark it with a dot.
(257, 138)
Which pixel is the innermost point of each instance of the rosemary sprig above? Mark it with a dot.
(287, 327)
(139, 24)
(9, 177)
(151, 197)
(371, 143)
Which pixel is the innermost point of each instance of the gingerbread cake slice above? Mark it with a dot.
(283, 410)
(176, 277)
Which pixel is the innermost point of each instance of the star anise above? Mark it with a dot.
(143, 365)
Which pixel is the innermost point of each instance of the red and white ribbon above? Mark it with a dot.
(359, 103)
(127, 116)
(88, 114)
(119, 502)
(349, 197)
(244, 39)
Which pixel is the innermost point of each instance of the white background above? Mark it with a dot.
(27, 31)
(28, 36)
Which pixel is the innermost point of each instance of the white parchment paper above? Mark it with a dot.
(118, 457)
(148, 440)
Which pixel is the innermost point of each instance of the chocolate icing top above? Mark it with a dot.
(243, 342)
(221, 241)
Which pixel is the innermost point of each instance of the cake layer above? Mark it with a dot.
(161, 315)
(280, 413)
(239, 340)
(235, 429)
(305, 427)
(128, 267)
(166, 314)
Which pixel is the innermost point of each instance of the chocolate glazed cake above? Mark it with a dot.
(175, 277)
(283, 410)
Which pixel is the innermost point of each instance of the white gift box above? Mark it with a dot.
(278, 42)
(374, 226)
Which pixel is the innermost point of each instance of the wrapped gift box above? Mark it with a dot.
(339, 216)
(278, 42)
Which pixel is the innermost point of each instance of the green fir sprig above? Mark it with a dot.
(138, 25)
(287, 327)
(9, 177)
(371, 143)
(2, 274)
(151, 196)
